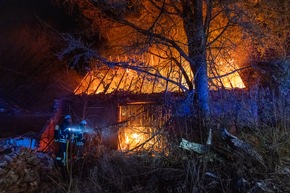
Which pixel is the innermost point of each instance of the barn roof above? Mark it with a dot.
(107, 80)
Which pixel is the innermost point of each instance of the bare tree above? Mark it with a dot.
(175, 31)
(186, 35)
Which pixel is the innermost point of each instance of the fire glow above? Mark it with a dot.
(139, 139)
(107, 80)
(137, 134)
(141, 131)
(232, 78)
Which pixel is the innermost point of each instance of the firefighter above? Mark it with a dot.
(62, 136)
(79, 138)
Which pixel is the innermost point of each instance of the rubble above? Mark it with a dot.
(20, 169)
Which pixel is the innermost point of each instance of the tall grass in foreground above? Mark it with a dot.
(256, 117)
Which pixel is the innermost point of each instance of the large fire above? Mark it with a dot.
(141, 132)
(107, 80)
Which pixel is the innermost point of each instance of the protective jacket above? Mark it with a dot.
(79, 138)
(63, 133)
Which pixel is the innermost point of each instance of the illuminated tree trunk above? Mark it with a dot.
(194, 28)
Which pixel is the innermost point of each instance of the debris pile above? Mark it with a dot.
(20, 169)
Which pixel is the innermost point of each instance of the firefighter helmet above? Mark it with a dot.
(67, 117)
(83, 122)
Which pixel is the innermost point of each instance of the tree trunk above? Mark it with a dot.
(193, 26)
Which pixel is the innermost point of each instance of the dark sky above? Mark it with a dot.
(30, 38)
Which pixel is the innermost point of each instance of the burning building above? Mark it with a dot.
(130, 107)
(134, 115)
